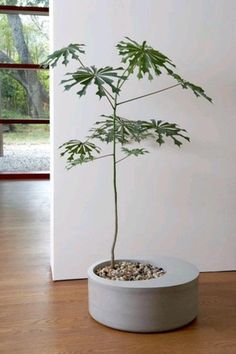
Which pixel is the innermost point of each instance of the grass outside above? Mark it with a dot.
(21, 134)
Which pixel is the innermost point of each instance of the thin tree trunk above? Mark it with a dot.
(38, 97)
(114, 186)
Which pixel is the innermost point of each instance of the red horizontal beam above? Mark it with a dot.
(22, 66)
(24, 175)
(24, 121)
(24, 10)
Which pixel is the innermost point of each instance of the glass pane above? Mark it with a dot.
(24, 38)
(40, 3)
(25, 148)
(24, 94)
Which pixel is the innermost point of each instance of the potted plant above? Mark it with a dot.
(135, 295)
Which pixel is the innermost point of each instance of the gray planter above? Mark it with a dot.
(154, 305)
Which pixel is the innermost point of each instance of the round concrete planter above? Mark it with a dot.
(154, 305)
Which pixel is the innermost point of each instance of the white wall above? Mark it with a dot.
(172, 202)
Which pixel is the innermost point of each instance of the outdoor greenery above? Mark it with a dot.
(34, 134)
(14, 99)
(137, 59)
(35, 31)
(23, 94)
(24, 39)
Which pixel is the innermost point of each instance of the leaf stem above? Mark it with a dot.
(148, 94)
(109, 100)
(101, 157)
(121, 83)
(81, 63)
(123, 158)
(109, 94)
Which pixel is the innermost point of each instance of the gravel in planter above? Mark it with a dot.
(129, 271)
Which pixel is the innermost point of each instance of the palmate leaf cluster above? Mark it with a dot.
(197, 90)
(160, 129)
(134, 152)
(78, 152)
(126, 132)
(73, 51)
(151, 62)
(101, 78)
(139, 59)
(130, 131)
(143, 58)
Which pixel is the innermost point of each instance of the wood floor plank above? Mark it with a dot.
(38, 316)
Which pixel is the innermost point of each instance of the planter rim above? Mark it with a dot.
(178, 272)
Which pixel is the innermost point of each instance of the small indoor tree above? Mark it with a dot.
(138, 59)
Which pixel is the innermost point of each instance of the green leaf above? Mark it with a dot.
(134, 152)
(79, 161)
(152, 62)
(143, 57)
(126, 130)
(161, 129)
(129, 131)
(102, 78)
(72, 50)
(197, 90)
(78, 152)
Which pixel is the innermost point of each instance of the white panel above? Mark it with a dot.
(172, 202)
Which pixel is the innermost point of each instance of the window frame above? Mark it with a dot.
(24, 10)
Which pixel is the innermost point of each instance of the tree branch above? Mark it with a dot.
(148, 94)
(4, 58)
(18, 75)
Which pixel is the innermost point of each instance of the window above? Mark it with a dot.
(24, 88)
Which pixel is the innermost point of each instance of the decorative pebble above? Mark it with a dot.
(129, 271)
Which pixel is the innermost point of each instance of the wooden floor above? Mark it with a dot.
(38, 316)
